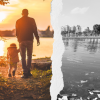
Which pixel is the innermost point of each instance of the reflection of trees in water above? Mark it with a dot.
(66, 43)
(92, 45)
(76, 43)
(99, 45)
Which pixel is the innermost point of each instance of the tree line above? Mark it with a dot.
(77, 30)
(42, 33)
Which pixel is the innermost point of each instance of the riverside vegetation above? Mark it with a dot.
(36, 87)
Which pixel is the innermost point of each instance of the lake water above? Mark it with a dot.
(81, 65)
(44, 50)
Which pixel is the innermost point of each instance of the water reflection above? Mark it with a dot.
(44, 50)
(81, 66)
(1, 47)
(90, 45)
(75, 45)
(66, 43)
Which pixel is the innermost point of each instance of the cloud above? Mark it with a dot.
(12, 2)
(7, 8)
(78, 10)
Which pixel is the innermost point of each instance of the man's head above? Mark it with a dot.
(25, 12)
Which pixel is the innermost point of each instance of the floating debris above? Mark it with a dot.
(86, 73)
(74, 94)
(92, 72)
(68, 97)
(80, 85)
(94, 91)
(64, 98)
(93, 95)
(82, 81)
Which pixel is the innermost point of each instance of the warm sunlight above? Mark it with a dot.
(2, 16)
(1, 47)
(39, 10)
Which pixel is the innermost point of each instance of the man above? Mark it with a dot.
(25, 27)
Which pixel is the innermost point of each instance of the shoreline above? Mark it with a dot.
(82, 37)
(43, 59)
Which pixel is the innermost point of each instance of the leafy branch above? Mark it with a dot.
(3, 2)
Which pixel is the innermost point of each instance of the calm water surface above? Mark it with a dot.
(81, 65)
(82, 51)
(44, 50)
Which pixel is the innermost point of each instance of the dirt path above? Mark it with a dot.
(17, 88)
(4, 71)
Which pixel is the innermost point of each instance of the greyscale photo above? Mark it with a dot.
(80, 31)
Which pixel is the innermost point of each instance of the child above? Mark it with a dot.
(12, 56)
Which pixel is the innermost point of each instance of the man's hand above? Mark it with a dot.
(38, 43)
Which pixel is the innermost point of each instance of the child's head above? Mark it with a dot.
(12, 45)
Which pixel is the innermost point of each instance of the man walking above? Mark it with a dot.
(25, 27)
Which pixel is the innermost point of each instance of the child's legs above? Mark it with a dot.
(10, 68)
(15, 66)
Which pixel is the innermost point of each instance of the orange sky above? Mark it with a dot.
(38, 9)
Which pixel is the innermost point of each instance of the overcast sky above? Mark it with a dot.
(80, 12)
(38, 9)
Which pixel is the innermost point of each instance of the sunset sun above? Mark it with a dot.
(2, 16)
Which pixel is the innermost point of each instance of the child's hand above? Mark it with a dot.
(18, 50)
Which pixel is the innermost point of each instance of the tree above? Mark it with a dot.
(3, 2)
(96, 29)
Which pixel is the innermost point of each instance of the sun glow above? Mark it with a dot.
(2, 16)
(1, 47)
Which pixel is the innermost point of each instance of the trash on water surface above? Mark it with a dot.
(82, 81)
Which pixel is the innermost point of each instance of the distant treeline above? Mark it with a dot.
(46, 33)
(7, 33)
(42, 33)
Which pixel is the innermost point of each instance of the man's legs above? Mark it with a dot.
(29, 56)
(23, 56)
(23, 46)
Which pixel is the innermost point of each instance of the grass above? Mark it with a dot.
(44, 58)
(38, 84)
(44, 78)
(40, 73)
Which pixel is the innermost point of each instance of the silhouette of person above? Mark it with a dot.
(25, 30)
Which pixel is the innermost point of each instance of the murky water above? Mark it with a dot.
(81, 65)
(44, 50)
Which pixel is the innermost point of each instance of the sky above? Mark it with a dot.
(38, 9)
(80, 12)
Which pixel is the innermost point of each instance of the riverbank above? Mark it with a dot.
(36, 87)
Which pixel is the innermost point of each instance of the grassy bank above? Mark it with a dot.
(33, 88)
(36, 87)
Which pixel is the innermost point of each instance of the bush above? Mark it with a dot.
(3, 61)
